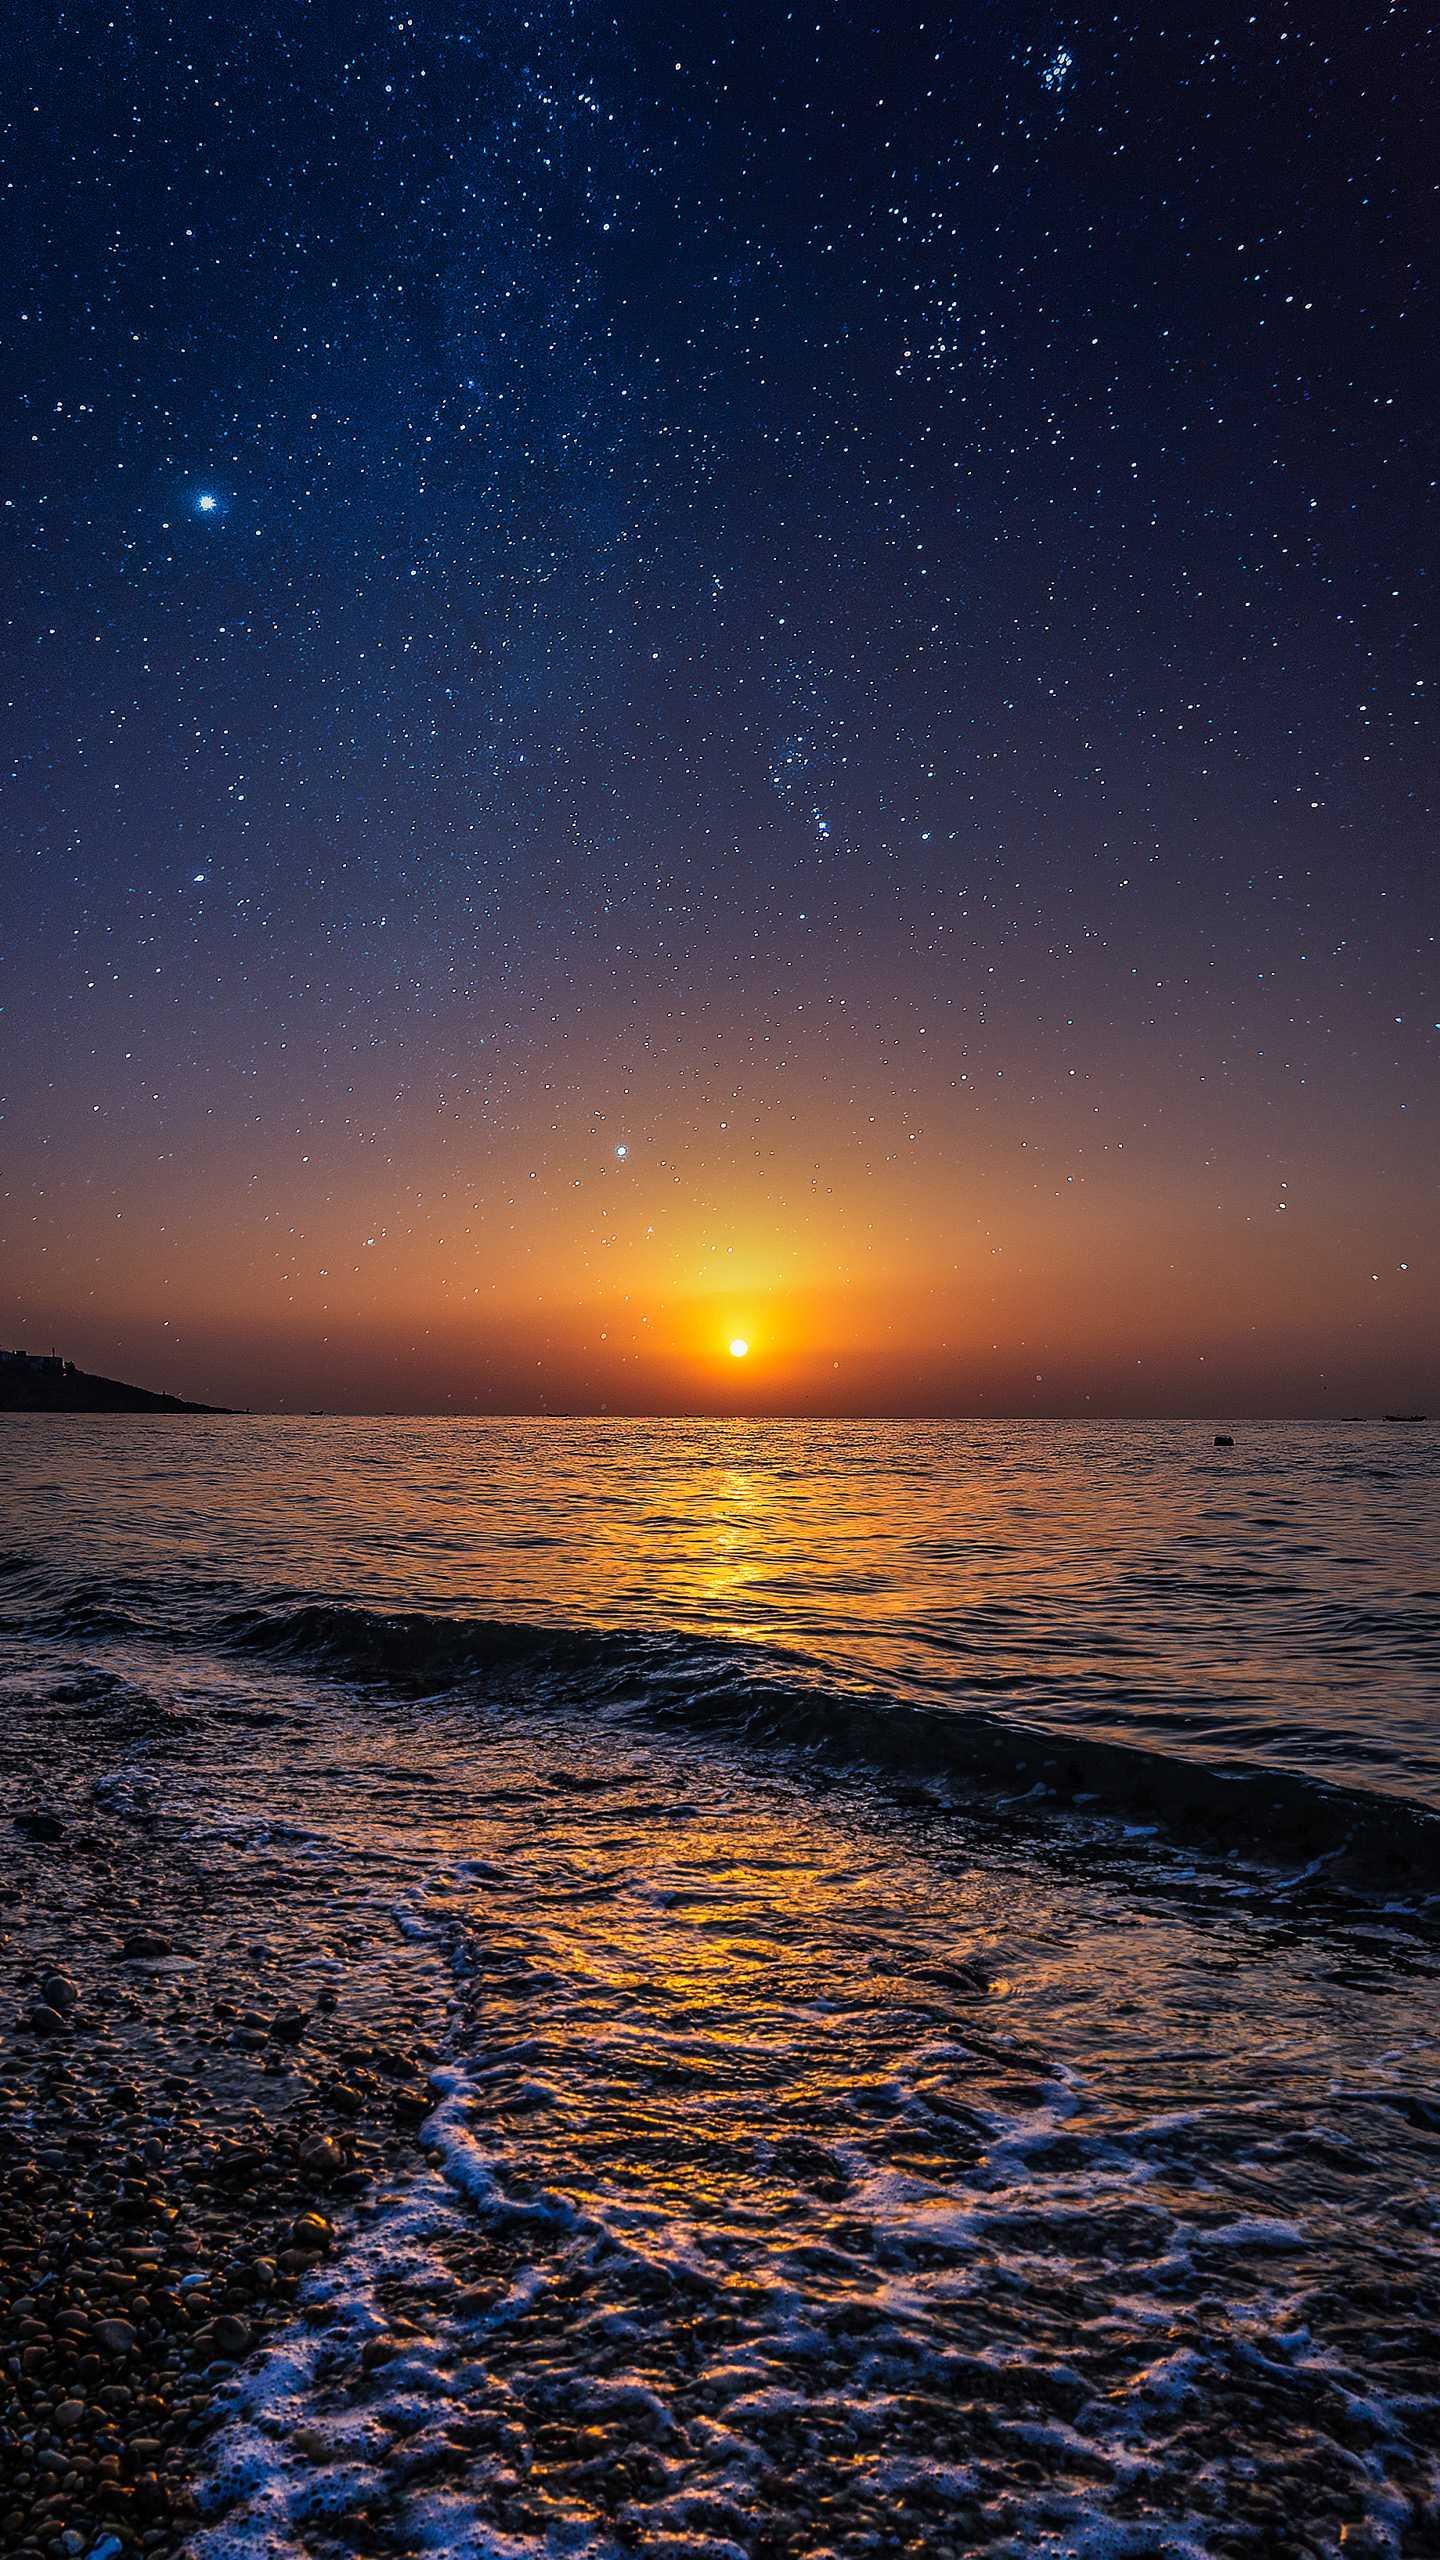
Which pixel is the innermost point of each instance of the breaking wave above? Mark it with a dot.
(781, 1700)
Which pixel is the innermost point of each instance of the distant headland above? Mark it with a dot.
(41, 1382)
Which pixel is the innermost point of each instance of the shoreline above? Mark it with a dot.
(765, 2094)
(189, 2104)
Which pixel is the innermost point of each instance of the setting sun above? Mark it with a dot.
(739, 1348)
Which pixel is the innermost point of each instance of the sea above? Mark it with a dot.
(938, 1932)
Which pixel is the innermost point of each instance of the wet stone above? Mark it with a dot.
(40, 1824)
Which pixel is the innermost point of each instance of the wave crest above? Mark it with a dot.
(742, 1692)
(773, 1700)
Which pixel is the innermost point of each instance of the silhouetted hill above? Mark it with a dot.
(66, 1390)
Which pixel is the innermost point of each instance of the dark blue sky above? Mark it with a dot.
(562, 565)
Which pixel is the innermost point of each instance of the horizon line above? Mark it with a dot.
(598, 1413)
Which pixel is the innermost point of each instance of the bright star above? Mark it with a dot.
(207, 504)
(739, 1347)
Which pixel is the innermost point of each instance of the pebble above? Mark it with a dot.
(40, 1824)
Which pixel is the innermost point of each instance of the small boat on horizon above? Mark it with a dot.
(1403, 1417)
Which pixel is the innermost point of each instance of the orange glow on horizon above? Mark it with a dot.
(998, 1262)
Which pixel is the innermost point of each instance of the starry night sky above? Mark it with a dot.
(678, 673)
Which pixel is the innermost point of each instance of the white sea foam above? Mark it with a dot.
(717, 2216)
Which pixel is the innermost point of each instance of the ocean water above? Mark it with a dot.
(937, 1927)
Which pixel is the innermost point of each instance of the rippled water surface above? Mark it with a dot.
(936, 1928)
(1279, 1600)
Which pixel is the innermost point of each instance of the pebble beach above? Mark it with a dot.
(187, 2100)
